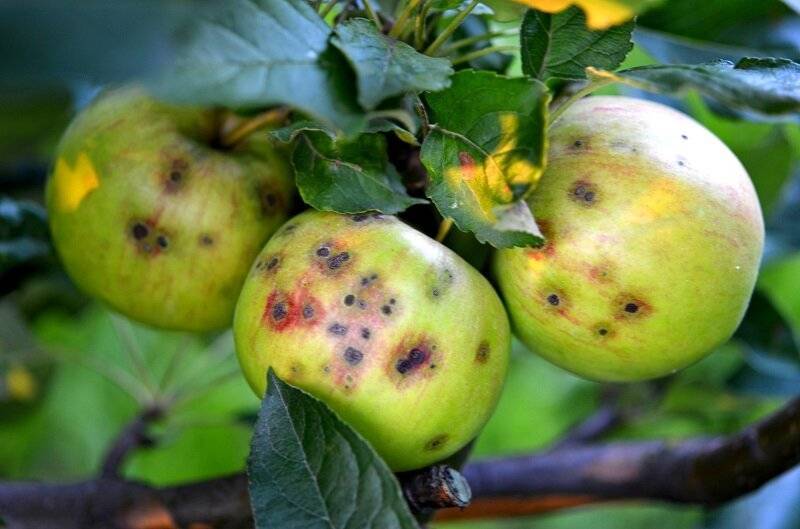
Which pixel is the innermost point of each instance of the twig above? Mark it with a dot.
(701, 471)
(132, 437)
(436, 487)
(402, 19)
(257, 122)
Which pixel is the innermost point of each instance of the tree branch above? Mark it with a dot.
(132, 437)
(703, 471)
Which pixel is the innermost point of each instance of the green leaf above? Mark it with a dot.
(560, 46)
(762, 86)
(255, 53)
(386, 67)
(309, 469)
(486, 149)
(348, 176)
(24, 234)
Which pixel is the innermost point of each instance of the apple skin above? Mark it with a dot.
(394, 331)
(654, 238)
(148, 217)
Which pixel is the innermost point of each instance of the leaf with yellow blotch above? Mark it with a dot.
(485, 152)
(600, 14)
(72, 184)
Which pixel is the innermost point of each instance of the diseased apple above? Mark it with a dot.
(394, 331)
(147, 216)
(654, 238)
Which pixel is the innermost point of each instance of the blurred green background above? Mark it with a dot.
(72, 374)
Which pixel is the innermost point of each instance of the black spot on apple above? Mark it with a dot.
(272, 263)
(349, 299)
(162, 241)
(323, 251)
(631, 308)
(338, 329)
(365, 333)
(279, 311)
(308, 312)
(436, 443)
(684, 136)
(584, 193)
(554, 300)
(140, 231)
(602, 331)
(175, 175)
(336, 262)
(353, 356)
(386, 309)
(206, 240)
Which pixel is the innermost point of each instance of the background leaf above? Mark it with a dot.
(254, 53)
(348, 176)
(385, 67)
(486, 149)
(561, 46)
(309, 469)
(24, 233)
(763, 86)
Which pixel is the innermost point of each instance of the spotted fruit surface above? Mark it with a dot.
(151, 219)
(654, 238)
(394, 331)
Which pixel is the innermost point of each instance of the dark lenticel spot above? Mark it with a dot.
(631, 308)
(349, 299)
(553, 299)
(365, 333)
(324, 251)
(308, 312)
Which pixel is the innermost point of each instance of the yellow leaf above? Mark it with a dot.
(600, 14)
(72, 184)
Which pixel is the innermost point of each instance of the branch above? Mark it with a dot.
(132, 437)
(703, 471)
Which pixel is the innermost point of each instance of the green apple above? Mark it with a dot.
(148, 216)
(654, 238)
(394, 331)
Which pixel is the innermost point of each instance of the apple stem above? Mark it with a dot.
(268, 118)
(444, 229)
(451, 28)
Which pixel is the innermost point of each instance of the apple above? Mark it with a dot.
(149, 216)
(394, 331)
(654, 236)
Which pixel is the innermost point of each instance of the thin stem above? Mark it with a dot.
(327, 9)
(580, 94)
(402, 19)
(451, 28)
(444, 229)
(420, 29)
(257, 122)
(400, 115)
(371, 13)
(477, 54)
(457, 44)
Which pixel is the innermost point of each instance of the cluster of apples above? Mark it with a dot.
(653, 241)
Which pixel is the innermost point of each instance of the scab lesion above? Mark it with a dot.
(584, 193)
(147, 238)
